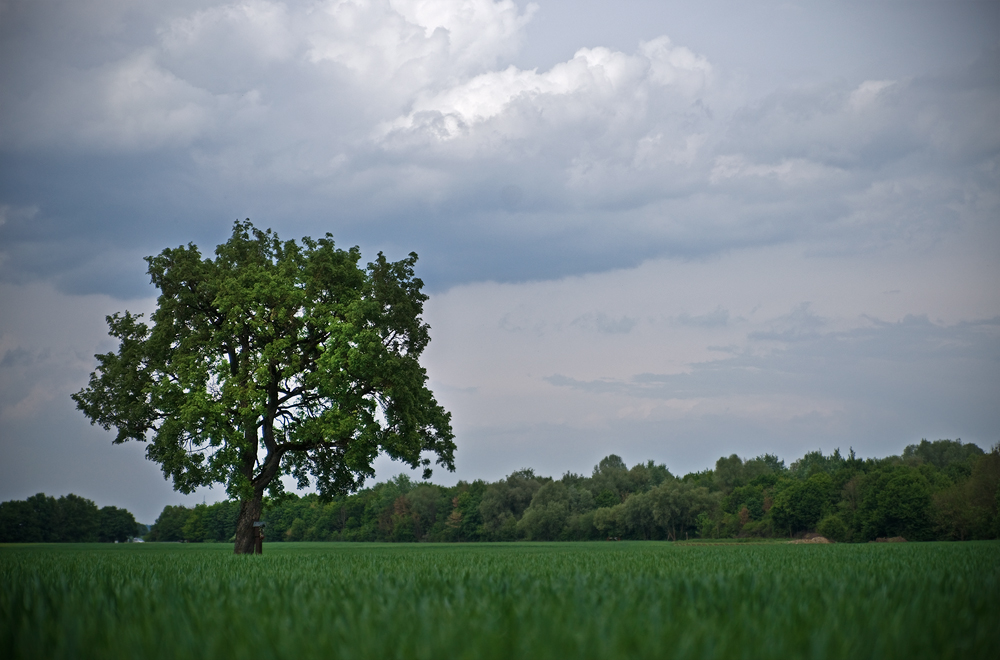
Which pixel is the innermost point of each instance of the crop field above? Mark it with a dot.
(543, 600)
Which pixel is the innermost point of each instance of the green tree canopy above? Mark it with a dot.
(953, 457)
(899, 504)
(170, 524)
(116, 525)
(801, 504)
(273, 358)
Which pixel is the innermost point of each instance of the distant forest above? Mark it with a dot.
(942, 490)
(69, 519)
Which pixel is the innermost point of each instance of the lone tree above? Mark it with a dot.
(273, 358)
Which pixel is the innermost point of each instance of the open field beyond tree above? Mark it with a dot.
(514, 600)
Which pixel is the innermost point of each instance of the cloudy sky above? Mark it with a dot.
(668, 230)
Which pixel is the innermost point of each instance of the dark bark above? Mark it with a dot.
(250, 511)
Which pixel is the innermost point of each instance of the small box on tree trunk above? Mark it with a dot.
(258, 537)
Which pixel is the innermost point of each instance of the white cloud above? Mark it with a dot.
(459, 36)
(142, 105)
(868, 92)
(790, 171)
(17, 213)
(257, 30)
(596, 83)
(205, 65)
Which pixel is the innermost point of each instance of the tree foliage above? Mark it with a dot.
(273, 358)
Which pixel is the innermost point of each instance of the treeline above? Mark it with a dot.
(943, 490)
(69, 519)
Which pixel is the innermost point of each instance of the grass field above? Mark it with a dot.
(573, 600)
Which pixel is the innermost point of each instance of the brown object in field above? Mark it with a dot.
(894, 539)
(812, 538)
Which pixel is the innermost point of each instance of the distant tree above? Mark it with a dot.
(424, 502)
(643, 476)
(815, 462)
(704, 478)
(968, 509)
(954, 514)
(638, 519)
(272, 358)
(612, 475)
(47, 519)
(78, 519)
(750, 497)
(221, 520)
(834, 528)
(607, 521)
(765, 464)
(504, 502)
(16, 524)
(115, 525)
(34, 520)
(729, 473)
(68, 519)
(733, 472)
(547, 518)
(801, 504)
(953, 457)
(606, 498)
(896, 502)
(170, 525)
(904, 506)
(380, 510)
(465, 520)
(851, 497)
(196, 527)
(678, 506)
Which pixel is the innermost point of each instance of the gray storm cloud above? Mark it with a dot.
(402, 123)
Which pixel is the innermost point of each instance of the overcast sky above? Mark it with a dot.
(666, 230)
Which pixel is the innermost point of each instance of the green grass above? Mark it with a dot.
(574, 600)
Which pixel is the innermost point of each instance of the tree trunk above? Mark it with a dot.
(250, 511)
